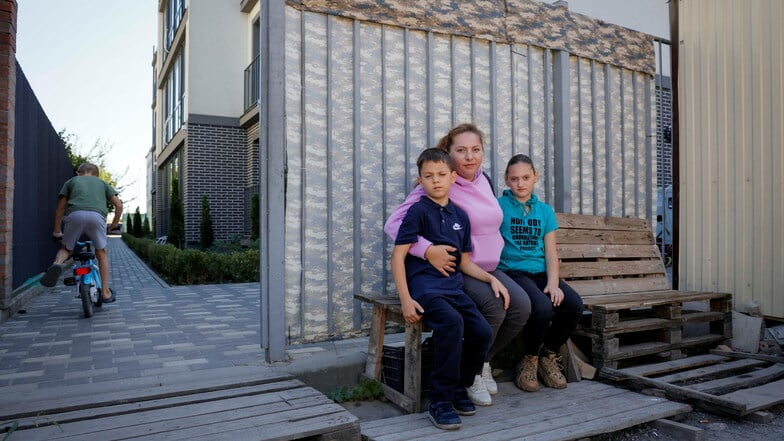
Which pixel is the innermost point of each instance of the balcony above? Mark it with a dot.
(252, 84)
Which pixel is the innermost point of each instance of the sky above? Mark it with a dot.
(89, 64)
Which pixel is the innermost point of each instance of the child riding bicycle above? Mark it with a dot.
(82, 209)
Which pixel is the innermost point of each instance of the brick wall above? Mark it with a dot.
(215, 164)
(7, 123)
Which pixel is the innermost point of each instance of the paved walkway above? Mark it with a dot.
(150, 330)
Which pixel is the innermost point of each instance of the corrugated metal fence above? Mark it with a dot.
(41, 166)
(731, 102)
(363, 99)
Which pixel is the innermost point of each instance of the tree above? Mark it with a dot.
(137, 223)
(254, 217)
(128, 223)
(97, 155)
(146, 231)
(207, 234)
(176, 234)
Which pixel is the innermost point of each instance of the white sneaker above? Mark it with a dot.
(487, 378)
(478, 392)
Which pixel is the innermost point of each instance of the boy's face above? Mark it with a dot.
(436, 178)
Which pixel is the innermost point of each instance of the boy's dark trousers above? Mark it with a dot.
(461, 339)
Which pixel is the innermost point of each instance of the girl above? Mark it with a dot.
(529, 257)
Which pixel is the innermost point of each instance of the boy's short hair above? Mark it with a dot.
(88, 168)
(435, 155)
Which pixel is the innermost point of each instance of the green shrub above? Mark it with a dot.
(254, 217)
(193, 267)
(205, 229)
(176, 233)
(137, 224)
(365, 390)
(146, 231)
(128, 223)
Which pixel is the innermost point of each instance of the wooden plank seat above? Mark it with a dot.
(632, 311)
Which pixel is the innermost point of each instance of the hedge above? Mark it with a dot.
(194, 267)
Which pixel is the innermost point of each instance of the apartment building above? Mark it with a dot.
(204, 117)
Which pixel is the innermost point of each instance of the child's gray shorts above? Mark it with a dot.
(91, 223)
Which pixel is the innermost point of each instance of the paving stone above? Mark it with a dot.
(152, 328)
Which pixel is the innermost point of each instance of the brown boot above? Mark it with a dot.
(550, 370)
(525, 377)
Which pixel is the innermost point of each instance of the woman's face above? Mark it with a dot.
(466, 150)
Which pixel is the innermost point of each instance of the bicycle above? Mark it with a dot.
(87, 277)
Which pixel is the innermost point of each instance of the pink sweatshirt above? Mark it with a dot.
(476, 198)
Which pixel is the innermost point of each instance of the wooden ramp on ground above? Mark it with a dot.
(584, 409)
(732, 383)
(238, 403)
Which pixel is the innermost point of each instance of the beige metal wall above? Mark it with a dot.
(731, 99)
(362, 101)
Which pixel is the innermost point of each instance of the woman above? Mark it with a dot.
(473, 192)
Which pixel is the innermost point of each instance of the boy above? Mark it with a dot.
(83, 203)
(461, 335)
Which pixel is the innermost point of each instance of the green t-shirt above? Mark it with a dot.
(87, 193)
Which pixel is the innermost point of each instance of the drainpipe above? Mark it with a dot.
(676, 179)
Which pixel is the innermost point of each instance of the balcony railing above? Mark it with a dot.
(252, 84)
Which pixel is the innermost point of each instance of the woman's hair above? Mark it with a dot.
(435, 155)
(88, 169)
(518, 158)
(447, 140)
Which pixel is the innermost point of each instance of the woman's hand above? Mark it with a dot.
(439, 257)
(412, 311)
(500, 291)
(555, 293)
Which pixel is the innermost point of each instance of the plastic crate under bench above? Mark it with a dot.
(393, 364)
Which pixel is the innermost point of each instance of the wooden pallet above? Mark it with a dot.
(624, 329)
(239, 403)
(732, 383)
(615, 266)
(583, 409)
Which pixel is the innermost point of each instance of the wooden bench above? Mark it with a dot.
(388, 309)
(616, 267)
(631, 311)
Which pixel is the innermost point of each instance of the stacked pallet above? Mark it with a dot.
(632, 314)
(626, 330)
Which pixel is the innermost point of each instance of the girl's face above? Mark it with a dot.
(466, 150)
(521, 178)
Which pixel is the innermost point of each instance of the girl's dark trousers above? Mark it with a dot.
(547, 324)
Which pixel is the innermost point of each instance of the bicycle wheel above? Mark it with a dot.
(87, 302)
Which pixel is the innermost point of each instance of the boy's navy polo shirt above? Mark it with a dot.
(447, 225)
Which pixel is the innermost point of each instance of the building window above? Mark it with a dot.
(169, 170)
(171, 22)
(173, 98)
(252, 71)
